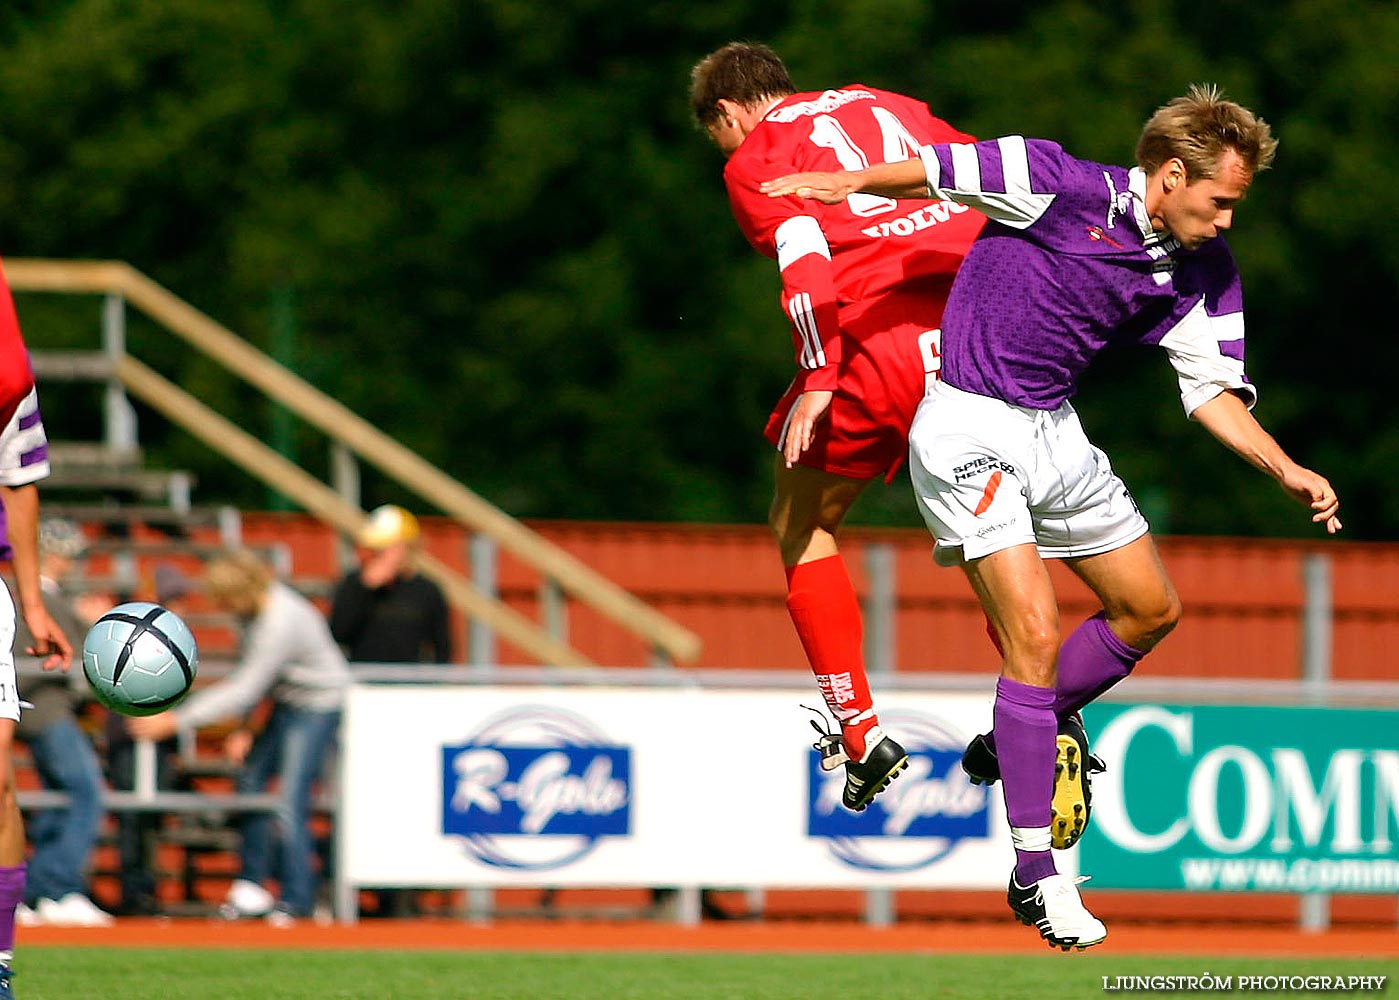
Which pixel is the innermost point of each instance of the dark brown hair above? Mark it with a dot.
(743, 72)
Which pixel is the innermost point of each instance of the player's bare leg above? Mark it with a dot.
(1015, 591)
(1018, 598)
(808, 507)
(12, 853)
(1140, 608)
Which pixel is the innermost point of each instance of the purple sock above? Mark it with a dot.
(1092, 660)
(11, 895)
(1025, 731)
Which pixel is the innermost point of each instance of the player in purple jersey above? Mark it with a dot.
(1076, 255)
(23, 461)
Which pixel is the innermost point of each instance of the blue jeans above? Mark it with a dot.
(63, 838)
(293, 747)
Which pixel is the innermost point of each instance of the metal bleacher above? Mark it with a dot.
(140, 513)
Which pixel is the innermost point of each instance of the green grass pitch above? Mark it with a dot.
(150, 974)
(54, 973)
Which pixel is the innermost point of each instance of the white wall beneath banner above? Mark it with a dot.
(453, 786)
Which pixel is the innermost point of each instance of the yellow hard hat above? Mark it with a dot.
(389, 525)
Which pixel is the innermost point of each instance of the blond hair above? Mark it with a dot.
(238, 577)
(1198, 128)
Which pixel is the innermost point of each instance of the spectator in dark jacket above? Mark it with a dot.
(385, 611)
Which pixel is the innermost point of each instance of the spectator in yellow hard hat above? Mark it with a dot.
(385, 611)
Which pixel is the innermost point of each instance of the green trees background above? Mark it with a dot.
(493, 230)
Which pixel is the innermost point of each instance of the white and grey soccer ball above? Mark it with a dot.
(140, 658)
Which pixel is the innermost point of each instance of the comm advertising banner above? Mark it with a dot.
(1210, 798)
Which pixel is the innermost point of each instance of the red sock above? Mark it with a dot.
(826, 613)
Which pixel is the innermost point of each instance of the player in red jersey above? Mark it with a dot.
(863, 286)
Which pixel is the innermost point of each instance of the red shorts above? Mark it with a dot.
(889, 357)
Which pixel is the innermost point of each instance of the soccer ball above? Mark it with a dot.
(140, 658)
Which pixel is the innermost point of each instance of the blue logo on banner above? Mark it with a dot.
(925, 813)
(535, 788)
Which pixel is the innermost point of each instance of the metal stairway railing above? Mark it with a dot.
(123, 285)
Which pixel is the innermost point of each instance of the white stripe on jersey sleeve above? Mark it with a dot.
(966, 166)
(1017, 206)
(15, 443)
(1015, 164)
(932, 166)
(797, 237)
(804, 320)
(1202, 369)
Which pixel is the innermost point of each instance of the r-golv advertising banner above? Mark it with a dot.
(470, 786)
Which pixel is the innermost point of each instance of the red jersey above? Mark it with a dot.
(860, 280)
(16, 377)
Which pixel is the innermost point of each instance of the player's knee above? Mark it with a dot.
(780, 524)
(1150, 623)
(1040, 645)
(783, 527)
(1031, 650)
(1171, 617)
(792, 548)
(799, 542)
(1166, 619)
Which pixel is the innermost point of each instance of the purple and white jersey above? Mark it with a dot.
(1069, 263)
(24, 455)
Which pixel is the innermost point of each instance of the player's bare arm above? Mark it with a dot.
(904, 179)
(22, 507)
(1229, 420)
(49, 639)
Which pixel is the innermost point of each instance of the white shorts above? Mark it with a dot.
(989, 475)
(9, 693)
